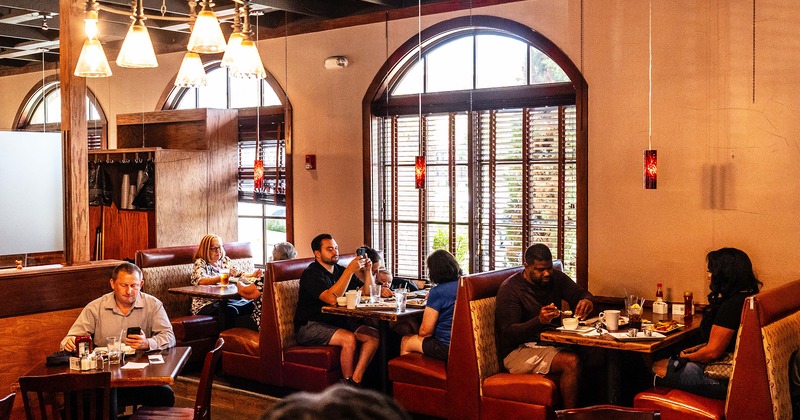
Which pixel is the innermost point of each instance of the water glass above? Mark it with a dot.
(374, 293)
(114, 350)
(400, 298)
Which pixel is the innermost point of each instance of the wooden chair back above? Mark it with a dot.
(202, 403)
(84, 396)
(6, 404)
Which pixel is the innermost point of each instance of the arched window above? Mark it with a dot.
(41, 111)
(503, 135)
(265, 213)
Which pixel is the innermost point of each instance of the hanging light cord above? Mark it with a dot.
(422, 74)
(754, 51)
(650, 80)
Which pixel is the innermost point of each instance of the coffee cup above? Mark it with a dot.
(352, 298)
(610, 318)
(570, 323)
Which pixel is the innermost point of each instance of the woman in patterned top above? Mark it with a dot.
(209, 259)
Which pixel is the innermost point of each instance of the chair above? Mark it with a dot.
(603, 412)
(6, 404)
(85, 395)
(202, 403)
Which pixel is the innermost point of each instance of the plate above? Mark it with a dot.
(416, 303)
(580, 330)
(623, 336)
(670, 328)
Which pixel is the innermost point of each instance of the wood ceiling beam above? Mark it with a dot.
(22, 32)
(47, 6)
(315, 8)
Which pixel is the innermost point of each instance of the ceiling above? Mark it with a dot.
(29, 28)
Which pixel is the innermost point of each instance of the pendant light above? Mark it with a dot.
(419, 161)
(248, 63)
(206, 36)
(192, 73)
(137, 49)
(92, 62)
(650, 155)
(235, 40)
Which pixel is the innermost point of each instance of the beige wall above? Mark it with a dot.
(728, 172)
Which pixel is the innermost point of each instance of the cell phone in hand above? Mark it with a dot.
(361, 251)
(134, 331)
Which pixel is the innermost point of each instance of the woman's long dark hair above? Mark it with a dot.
(731, 273)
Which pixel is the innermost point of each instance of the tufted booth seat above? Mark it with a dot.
(271, 356)
(164, 268)
(759, 386)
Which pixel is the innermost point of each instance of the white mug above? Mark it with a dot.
(353, 296)
(570, 323)
(610, 318)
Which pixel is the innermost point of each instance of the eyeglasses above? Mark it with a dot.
(215, 248)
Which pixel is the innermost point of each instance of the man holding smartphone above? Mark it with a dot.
(140, 316)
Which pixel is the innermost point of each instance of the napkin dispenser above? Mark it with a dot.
(660, 307)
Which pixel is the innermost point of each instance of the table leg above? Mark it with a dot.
(113, 408)
(383, 332)
(613, 376)
(223, 308)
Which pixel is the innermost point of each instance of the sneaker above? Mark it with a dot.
(350, 382)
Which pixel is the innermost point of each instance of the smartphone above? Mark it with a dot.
(361, 251)
(134, 331)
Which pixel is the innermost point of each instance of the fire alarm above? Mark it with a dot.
(311, 162)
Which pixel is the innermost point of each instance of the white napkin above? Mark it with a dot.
(134, 365)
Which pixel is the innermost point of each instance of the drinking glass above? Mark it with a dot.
(400, 298)
(374, 293)
(114, 353)
(224, 276)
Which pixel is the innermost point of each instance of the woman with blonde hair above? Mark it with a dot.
(209, 260)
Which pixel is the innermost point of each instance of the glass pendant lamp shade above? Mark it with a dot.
(419, 172)
(92, 61)
(206, 36)
(248, 63)
(234, 44)
(650, 169)
(191, 73)
(137, 49)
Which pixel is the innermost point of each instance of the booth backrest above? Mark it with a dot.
(759, 386)
(279, 303)
(473, 356)
(164, 268)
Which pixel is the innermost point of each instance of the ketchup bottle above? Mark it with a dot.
(83, 344)
(688, 307)
(659, 292)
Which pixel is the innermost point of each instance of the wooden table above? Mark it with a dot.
(615, 347)
(152, 375)
(384, 317)
(215, 292)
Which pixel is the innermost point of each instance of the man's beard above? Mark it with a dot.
(332, 261)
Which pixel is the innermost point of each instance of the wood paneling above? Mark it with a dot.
(26, 341)
(52, 288)
(181, 197)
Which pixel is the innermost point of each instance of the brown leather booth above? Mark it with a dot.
(432, 387)
(472, 385)
(271, 356)
(164, 268)
(759, 386)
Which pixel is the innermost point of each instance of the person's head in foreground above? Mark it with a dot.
(337, 402)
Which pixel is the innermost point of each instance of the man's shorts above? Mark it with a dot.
(435, 348)
(315, 334)
(530, 358)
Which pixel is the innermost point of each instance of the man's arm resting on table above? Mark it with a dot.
(163, 336)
